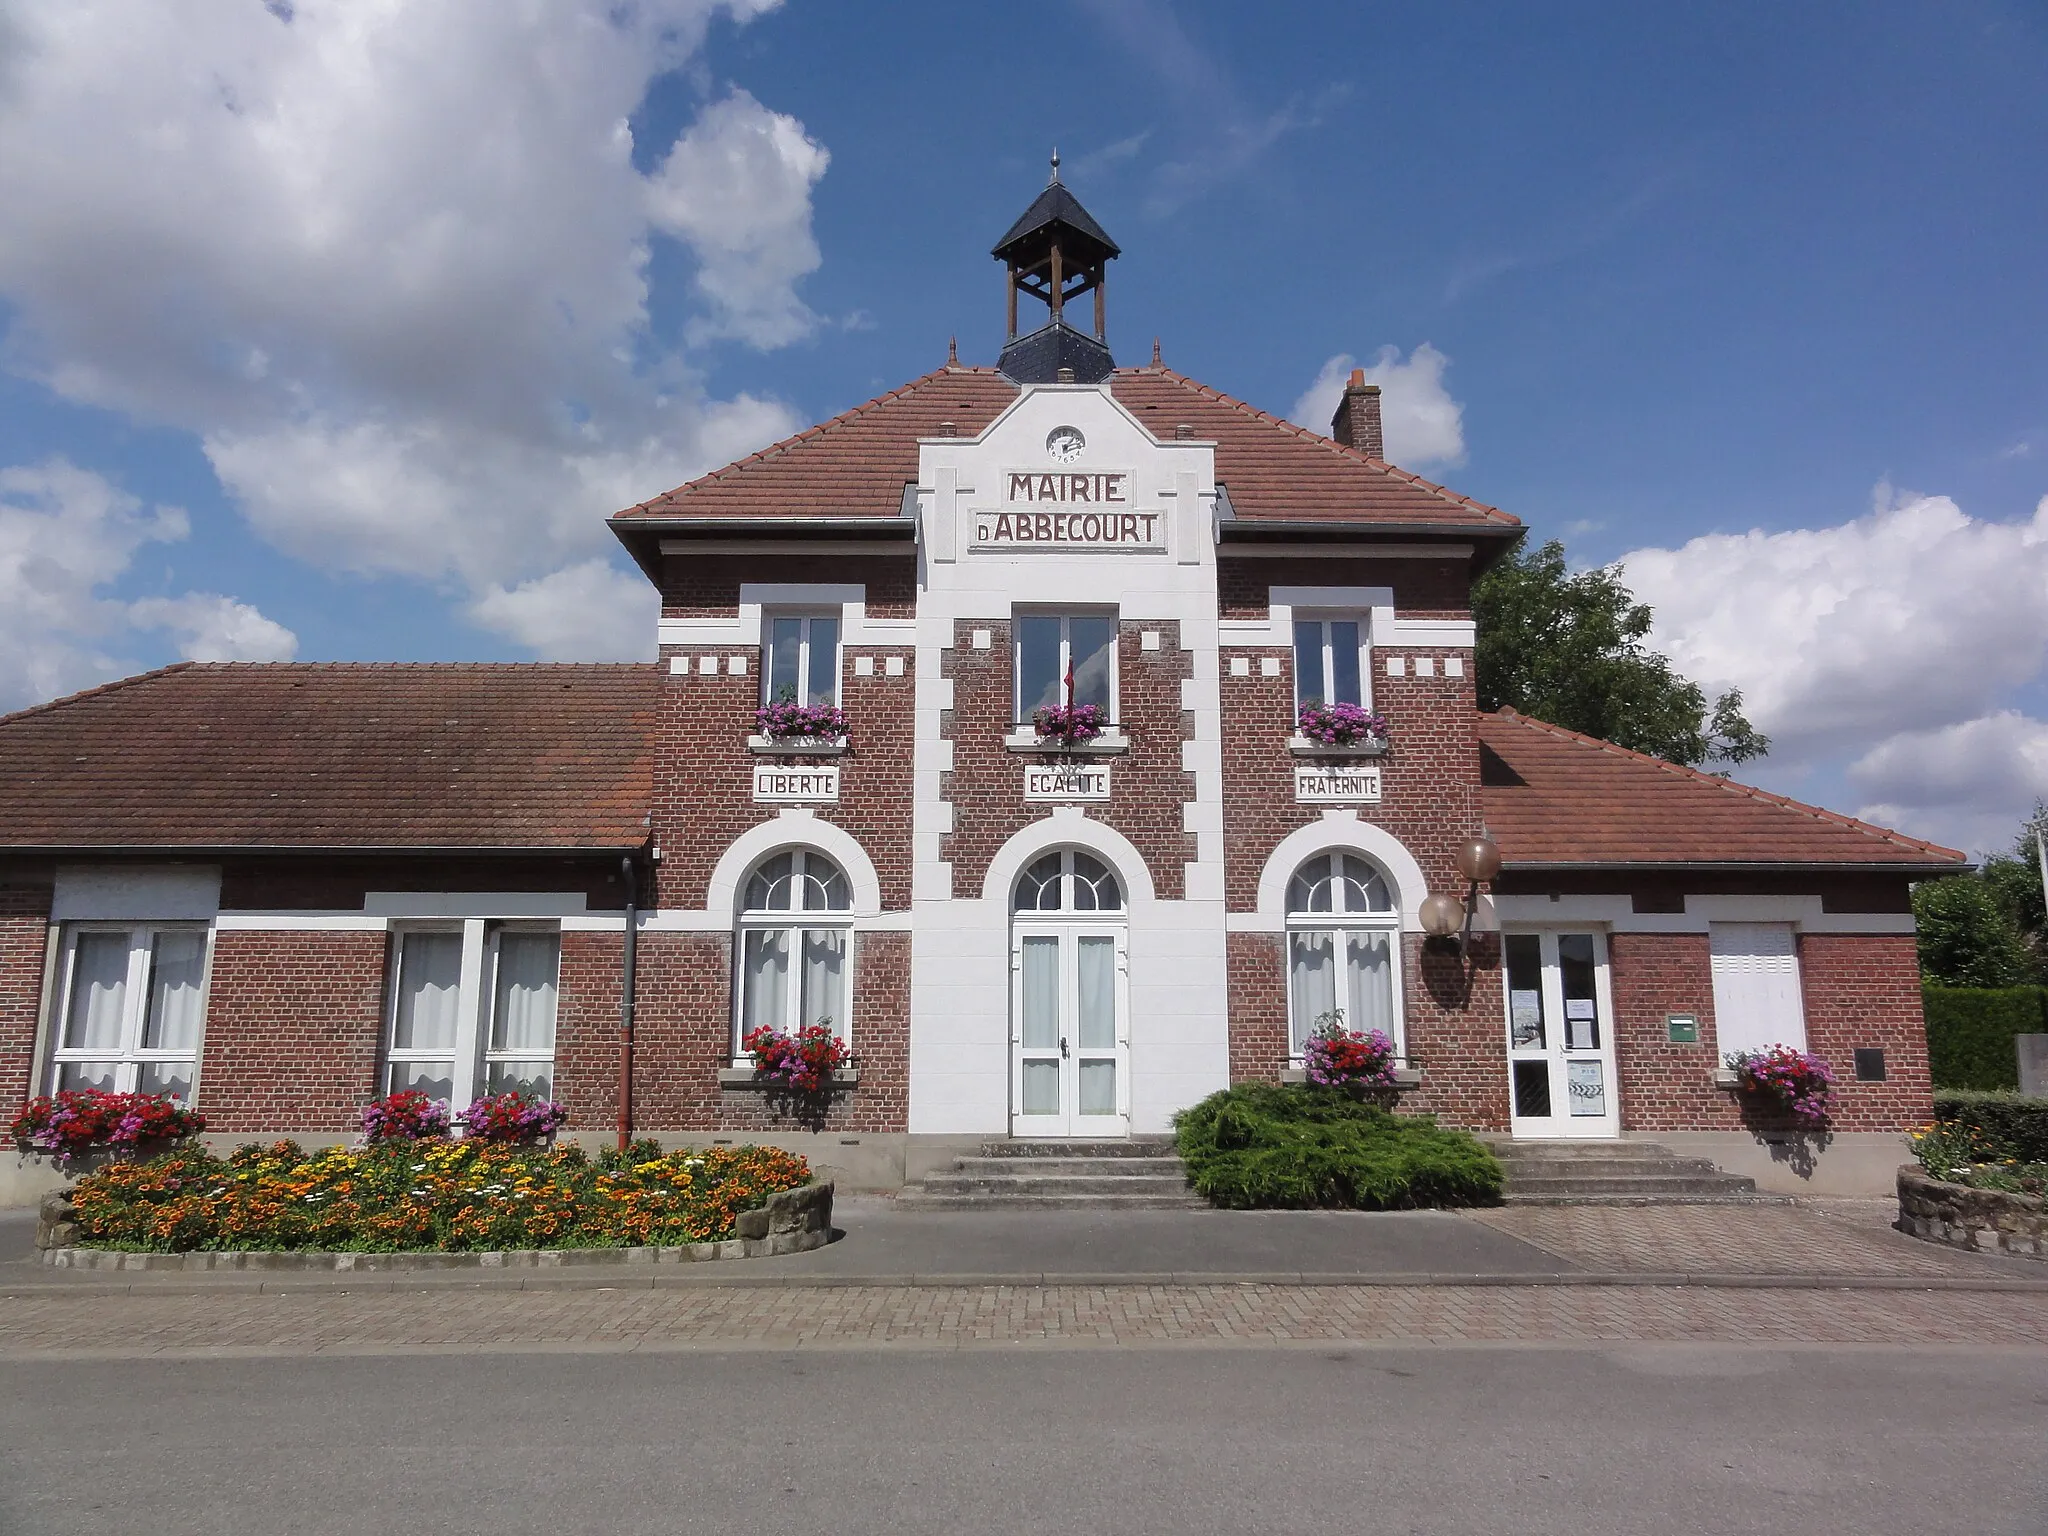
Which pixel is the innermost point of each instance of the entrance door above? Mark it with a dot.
(1560, 1035)
(1069, 1030)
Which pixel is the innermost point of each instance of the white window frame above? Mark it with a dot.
(805, 617)
(1340, 923)
(1325, 617)
(1066, 616)
(476, 999)
(796, 921)
(130, 1056)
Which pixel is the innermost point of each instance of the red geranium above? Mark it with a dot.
(803, 1062)
(84, 1119)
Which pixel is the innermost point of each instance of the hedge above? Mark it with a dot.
(2019, 1125)
(1259, 1145)
(1970, 1030)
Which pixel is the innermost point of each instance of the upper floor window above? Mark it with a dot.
(800, 662)
(473, 1004)
(796, 932)
(132, 1002)
(1330, 662)
(1054, 648)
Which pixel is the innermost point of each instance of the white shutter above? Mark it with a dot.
(1756, 987)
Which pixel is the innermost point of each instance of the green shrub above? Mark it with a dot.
(1257, 1145)
(1970, 1030)
(2004, 1122)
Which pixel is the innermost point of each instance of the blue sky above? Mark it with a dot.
(336, 337)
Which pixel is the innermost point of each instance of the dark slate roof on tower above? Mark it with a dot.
(1056, 205)
(1056, 348)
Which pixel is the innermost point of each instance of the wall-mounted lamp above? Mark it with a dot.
(1446, 917)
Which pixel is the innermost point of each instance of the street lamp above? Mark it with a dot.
(1445, 916)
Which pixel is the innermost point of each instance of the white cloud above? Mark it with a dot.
(1888, 648)
(1913, 616)
(737, 187)
(389, 262)
(66, 534)
(1422, 423)
(210, 627)
(1977, 780)
(587, 612)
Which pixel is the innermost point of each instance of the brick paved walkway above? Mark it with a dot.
(1752, 1240)
(966, 1317)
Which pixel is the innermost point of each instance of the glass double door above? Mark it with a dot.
(1560, 1035)
(1069, 1030)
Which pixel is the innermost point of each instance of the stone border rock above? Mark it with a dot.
(793, 1221)
(1979, 1220)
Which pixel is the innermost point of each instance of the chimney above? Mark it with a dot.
(1357, 422)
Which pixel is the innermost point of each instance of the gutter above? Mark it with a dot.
(1803, 866)
(305, 850)
(630, 872)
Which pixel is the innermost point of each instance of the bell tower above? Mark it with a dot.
(1056, 253)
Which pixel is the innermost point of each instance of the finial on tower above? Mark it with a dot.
(1155, 351)
(1055, 166)
(952, 351)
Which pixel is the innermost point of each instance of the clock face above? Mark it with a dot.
(1065, 444)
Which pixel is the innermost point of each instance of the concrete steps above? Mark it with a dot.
(1077, 1175)
(1616, 1173)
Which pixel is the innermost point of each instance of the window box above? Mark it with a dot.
(1302, 746)
(1726, 1077)
(1113, 742)
(744, 1078)
(1404, 1077)
(797, 746)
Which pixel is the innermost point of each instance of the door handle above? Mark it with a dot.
(1063, 1047)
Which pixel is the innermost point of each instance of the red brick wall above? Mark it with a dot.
(704, 774)
(1864, 990)
(24, 940)
(1665, 1087)
(1457, 1032)
(1420, 587)
(685, 1035)
(1258, 1006)
(587, 1029)
(708, 586)
(1859, 990)
(1147, 784)
(298, 884)
(293, 1030)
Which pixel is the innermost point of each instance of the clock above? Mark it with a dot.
(1064, 444)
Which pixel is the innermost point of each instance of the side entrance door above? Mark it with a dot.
(1560, 1035)
(1069, 1030)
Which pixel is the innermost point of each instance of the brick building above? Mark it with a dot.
(283, 889)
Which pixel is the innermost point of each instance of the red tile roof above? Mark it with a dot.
(1555, 797)
(856, 464)
(332, 756)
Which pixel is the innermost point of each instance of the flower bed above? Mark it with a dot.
(1341, 725)
(1070, 725)
(453, 1196)
(1795, 1081)
(787, 720)
(68, 1125)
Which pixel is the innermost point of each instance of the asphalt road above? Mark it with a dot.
(1579, 1441)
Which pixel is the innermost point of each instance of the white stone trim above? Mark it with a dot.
(1617, 914)
(485, 904)
(1339, 830)
(299, 922)
(179, 893)
(793, 828)
(1433, 634)
(744, 626)
(1068, 826)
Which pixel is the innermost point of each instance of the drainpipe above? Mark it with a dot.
(630, 871)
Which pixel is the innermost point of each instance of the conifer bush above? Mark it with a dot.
(1258, 1146)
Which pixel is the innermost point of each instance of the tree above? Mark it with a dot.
(1966, 938)
(1569, 649)
(2014, 881)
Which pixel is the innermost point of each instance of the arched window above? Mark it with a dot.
(795, 938)
(1069, 881)
(1343, 949)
